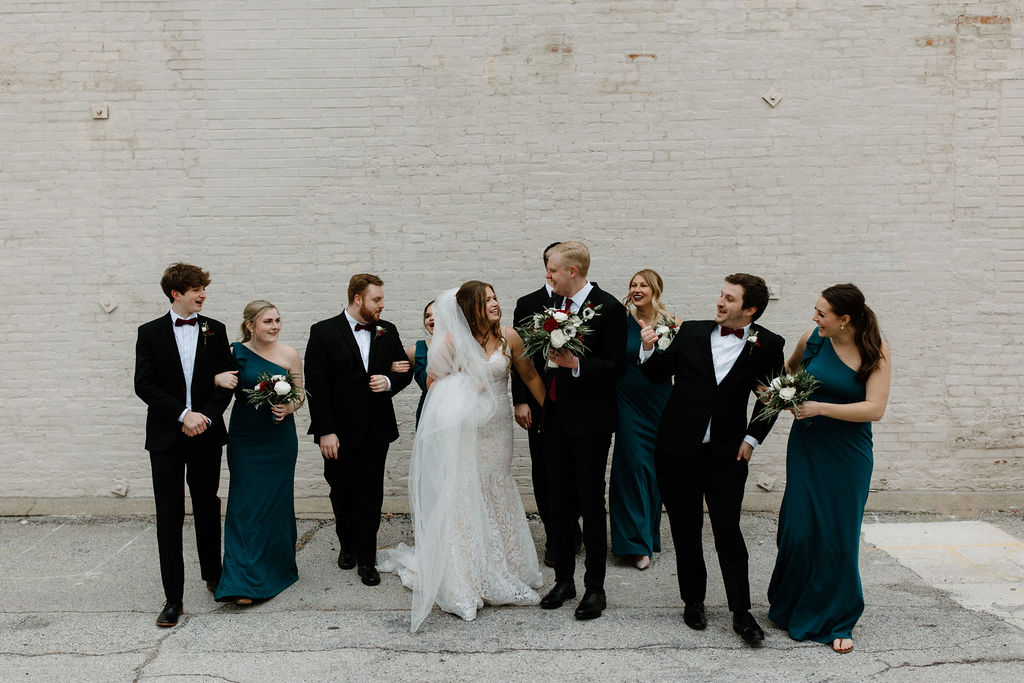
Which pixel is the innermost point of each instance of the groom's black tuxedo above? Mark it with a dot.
(690, 471)
(578, 425)
(341, 403)
(175, 457)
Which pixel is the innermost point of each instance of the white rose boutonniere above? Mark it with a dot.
(752, 341)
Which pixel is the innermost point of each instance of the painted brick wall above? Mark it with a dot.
(286, 144)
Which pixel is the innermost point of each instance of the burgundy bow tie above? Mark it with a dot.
(180, 322)
(363, 326)
(726, 331)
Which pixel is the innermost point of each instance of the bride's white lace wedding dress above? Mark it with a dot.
(473, 545)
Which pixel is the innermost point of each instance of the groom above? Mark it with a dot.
(705, 439)
(176, 358)
(350, 384)
(579, 417)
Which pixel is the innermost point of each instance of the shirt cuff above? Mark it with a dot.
(576, 370)
(181, 418)
(645, 354)
(754, 443)
(388, 380)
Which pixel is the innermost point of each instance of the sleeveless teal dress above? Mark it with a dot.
(634, 499)
(259, 526)
(815, 590)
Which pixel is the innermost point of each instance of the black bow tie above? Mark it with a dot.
(181, 322)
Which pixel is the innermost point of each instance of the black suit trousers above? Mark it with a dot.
(576, 468)
(685, 484)
(200, 467)
(356, 479)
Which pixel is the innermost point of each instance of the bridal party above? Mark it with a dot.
(594, 375)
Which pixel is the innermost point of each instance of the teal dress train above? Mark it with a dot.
(634, 500)
(259, 526)
(815, 590)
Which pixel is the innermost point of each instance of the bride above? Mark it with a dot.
(472, 542)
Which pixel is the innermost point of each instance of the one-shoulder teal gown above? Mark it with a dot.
(634, 499)
(815, 590)
(259, 526)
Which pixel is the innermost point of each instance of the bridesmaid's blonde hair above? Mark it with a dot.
(250, 313)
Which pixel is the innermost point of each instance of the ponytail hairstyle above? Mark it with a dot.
(250, 313)
(847, 299)
(654, 281)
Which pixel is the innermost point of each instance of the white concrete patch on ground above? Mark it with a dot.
(980, 565)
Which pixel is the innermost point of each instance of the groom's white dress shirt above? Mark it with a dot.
(573, 304)
(363, 339)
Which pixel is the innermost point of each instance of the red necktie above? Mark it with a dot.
(551, 389)
(726, 331)
(181, 322)
(362, 326)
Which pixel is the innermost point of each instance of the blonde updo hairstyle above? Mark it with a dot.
(251, 313)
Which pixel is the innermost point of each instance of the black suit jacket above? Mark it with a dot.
(340, 400)
(697, 397)
(525, 308)
(160, 381)
(588, 404)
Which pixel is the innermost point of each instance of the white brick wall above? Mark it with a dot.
(285, 144)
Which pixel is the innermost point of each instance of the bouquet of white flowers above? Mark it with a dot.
(785, 392)
(666, 328)
(555, 328)
(273, 390)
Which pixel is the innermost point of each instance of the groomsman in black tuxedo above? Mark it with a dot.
(705, 439)
(350, 382)
(176, 358)
(528, 414)
(579, 417)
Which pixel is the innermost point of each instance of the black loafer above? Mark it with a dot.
(591, 605)
(563, 590)
(368, 574)
(346, 560)
(695, 617)
(169, 614)
(745, 625)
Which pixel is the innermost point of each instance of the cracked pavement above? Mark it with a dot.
(80, 596)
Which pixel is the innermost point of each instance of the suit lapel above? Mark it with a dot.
(349, 339)
(171, 344)
(709, 358)
(741, 360)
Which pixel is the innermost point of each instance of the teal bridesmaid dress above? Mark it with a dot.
(259, 526)
(634, 500)
(815, 590)
(419, 373)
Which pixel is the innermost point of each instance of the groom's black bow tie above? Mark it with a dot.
(726, 331)
(363, 326)
(181, 322)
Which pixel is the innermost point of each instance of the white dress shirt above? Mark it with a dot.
(724, 352)
(363, 339)
(187, 338)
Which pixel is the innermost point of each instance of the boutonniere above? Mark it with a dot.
(379, 332)
(752, 341)
(204, 327)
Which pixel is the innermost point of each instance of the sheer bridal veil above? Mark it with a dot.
(461, 399)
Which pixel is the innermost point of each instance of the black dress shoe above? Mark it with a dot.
(745, 625)
(346, 560)
(694, 616)
(591, 605)
(169, 614)
(368, 574)
(211, 586)
(563, 590)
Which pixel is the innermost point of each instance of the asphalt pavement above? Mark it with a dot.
(79, 597)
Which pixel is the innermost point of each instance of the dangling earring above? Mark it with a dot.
(842, 327)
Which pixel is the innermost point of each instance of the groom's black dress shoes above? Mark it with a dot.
(368, 574)
(169, 614)
(346, 560)
(563, 590)
(694, 616)
(591, 605)
(745, 625)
